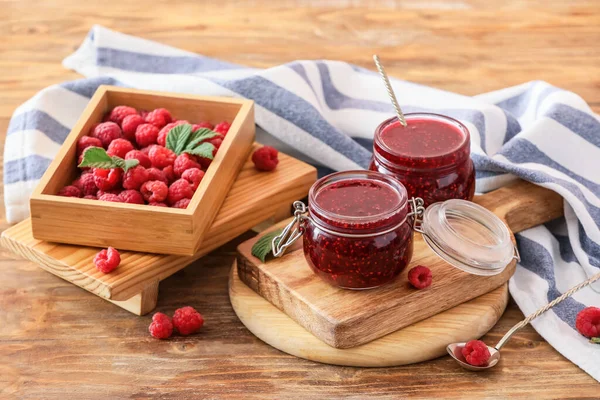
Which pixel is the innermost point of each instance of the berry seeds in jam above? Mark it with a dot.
(430, 156)
(358, 235)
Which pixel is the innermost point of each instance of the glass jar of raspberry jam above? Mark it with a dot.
(430, 156)
(358, 231)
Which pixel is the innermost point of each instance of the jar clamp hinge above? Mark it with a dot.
(417, 209)
(292, 232)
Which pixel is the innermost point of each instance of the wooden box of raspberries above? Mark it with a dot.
(143, 171)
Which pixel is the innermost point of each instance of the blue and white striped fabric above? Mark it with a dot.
(326, 112)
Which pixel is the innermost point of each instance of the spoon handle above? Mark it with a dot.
(388, 87)
(542, 310)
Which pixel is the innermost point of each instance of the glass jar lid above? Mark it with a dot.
(468, 236)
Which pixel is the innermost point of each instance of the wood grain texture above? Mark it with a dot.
(49, 328)
(422, 341)
(140, 227)
(243, 208)
(346, 318)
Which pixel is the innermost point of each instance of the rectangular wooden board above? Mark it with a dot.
(345, 318)
(140, 227)
(254, 197)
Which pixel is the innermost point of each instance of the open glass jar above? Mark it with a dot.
(430, 156)
(358, 231)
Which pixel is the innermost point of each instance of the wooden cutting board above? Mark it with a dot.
(254, 197)
(419, 342)
(345, 318)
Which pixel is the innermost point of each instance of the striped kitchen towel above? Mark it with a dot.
(325, 112)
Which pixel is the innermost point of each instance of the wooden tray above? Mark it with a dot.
(419, 342)
(254, 197)
(344, 318)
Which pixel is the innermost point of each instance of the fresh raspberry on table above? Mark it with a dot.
(476, 353)
(193, 176)
(183, 162)
(135, 177)
(222, 127)
(180, 189)
(157, 204)
(169, 174)
(203, 124)
(183, 203)
(155, 174)
(87, 185)
(159, 117)
(265, 158)
(70, 191)
(588, 322)
(146, 134)
(420, 277)
(107, 132)
(161, 326)
(107, 260)
(187, 320)
(119, 148)
(141, 157)
(130, 124)
(115, 198)
(132, 197)
(161, 157)
(90, 197)
(87, 141)
(154, 191)
(118, 114)
(107, 179)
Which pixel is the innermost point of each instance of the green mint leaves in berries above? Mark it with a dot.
(263, 246)
(181, 139)
(96, 157)
(588, 323)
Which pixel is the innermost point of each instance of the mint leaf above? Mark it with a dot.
(595, 340)
(178, 137)
(199, 136)
(204, 150)
(96, 157)
(263, 246)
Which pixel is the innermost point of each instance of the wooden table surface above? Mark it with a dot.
(58, 341)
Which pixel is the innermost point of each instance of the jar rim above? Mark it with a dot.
(327, 180)
(463, 146)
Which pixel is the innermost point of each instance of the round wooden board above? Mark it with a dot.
(422, 341)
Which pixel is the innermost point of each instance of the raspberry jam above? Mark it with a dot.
(358, 234)
(430, 156)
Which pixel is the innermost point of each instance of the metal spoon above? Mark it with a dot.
(455, 349)
(388, 87)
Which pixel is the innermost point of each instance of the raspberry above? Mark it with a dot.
(146, 150)
(265, 158)
(87, 141)
(130, 124)
(161, 326)
(135, 177)
(132, 197)
(154, 191)
(588, 322)
(203, 124)
(193, 176)
(159, 117)
(141, 157)
(143, 113)
(419, 277)
(222, 127)
(182, 121)
(107, 179)
(107, 132)
(180, 189)
(118, 114)
(169, 174)
(115, 198)
(119, 148)
(183, 162)
(476, 353)
(146, 134)
(101, 193)
(158, 204)
(155, 174)
(161, 157)
(86, 184)
(107, 260)
(216, 141)
(70, 191)
(90, 197)
(187, 320)
(183, 203)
